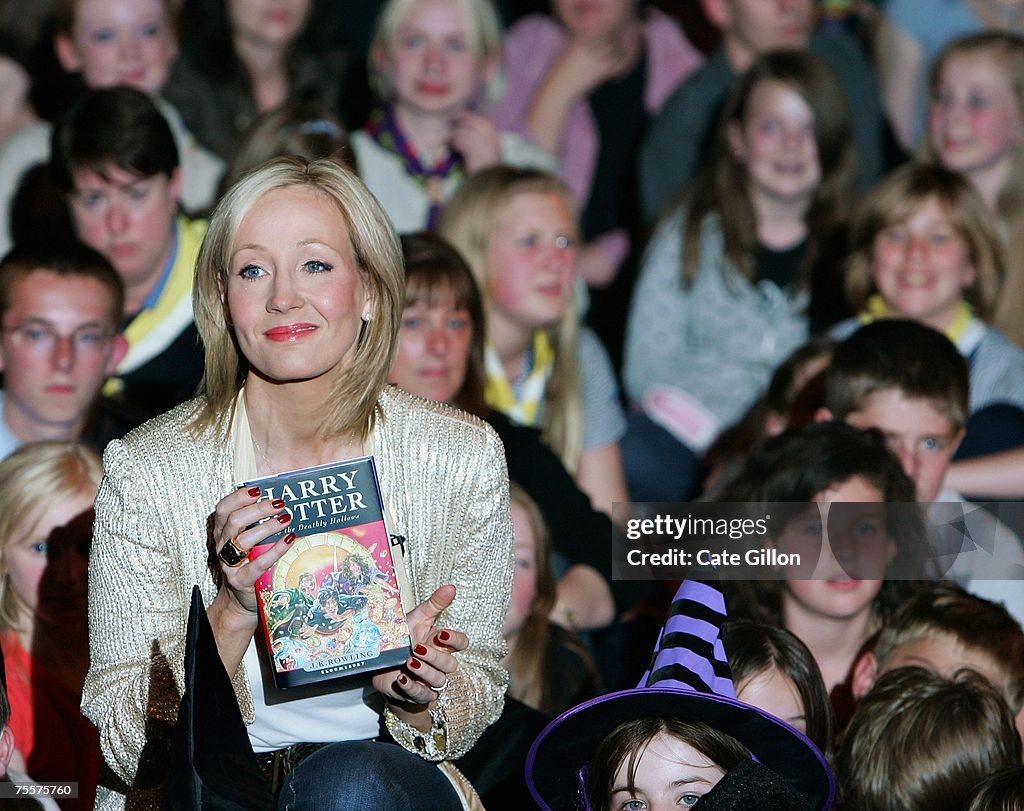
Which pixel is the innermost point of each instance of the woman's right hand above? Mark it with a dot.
(242, 519)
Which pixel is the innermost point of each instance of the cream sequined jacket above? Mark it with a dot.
(445, 485)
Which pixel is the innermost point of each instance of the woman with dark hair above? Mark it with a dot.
(239, 60)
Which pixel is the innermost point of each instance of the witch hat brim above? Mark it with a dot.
(213, 766)
(567, 744)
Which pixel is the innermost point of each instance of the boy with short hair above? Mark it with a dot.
(60, 308)
(115, 158)
(945, 629)
(910, 382)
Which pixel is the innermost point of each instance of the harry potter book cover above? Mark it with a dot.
(331, 606)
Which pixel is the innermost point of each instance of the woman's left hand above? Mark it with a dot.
(477, 139)
(414, 687)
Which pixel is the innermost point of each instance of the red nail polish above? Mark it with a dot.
(415, 664)
(444, 636)
(403, 680)
(277, 505)
(289, 537)
(254, 491)
(283, 518)
(420, 650)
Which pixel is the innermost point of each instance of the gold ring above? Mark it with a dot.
(232, 555)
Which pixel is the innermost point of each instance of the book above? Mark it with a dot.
(331, 606)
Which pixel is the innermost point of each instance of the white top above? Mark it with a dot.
(404, 199)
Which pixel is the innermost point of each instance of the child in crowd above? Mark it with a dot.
(774, 670)
(113, 42)
(116, 162)
(517, 230)
(910, 382)
(976, 128)
(47, 491)
(584, 83)
(549, 669)
(924, 247)
(835, 613)
(435, 66)
(722, 295)
(240, 59)
(945, 629)
(1003, 791)
(681, 738)
(60, 306)
(919, 741)
(441, 358)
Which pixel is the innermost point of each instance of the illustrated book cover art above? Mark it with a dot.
(331, 606)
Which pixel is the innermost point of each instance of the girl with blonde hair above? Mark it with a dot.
(517, 230)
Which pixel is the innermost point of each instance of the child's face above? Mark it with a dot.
(524, 580)
(974, 121)
(57, 346)
(46, 562)
(273, 23)
(531, 260)
(776, 144)
(919, 435)
(773, 691)
(670, 774)
(922, 266)
(432, 62)
(120, 42)
(853, 541)
(433, 347)
(127, 218)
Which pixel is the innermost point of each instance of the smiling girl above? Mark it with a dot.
(723, 292)
(435, 66)
(976, 128)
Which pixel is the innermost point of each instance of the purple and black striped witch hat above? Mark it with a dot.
(689, 678)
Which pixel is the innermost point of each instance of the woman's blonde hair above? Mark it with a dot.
(483, 29)
(34, 476)
(377, 254)
(895, 198)
(468, 222)
(1008, 49)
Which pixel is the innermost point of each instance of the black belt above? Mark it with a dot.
(277, 764)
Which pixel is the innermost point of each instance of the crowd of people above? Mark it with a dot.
(559, 268)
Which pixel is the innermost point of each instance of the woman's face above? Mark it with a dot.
(773, 691)
(922, 266)
(433, 347)
(269, 23)
(531, 261)
(294, 293)
(594, 18)
(524, 579)
(120, 42)
(431, 61)
(46, 559)
(670, 774)
(855, 548)
(776, 144)
(975, 121)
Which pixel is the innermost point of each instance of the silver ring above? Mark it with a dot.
(232, 555)
(442, 688)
